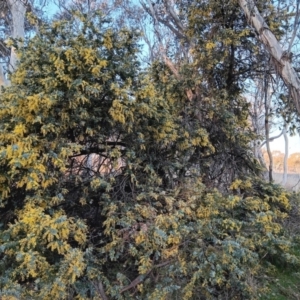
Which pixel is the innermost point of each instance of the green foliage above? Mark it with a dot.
(283, 279)
(284, 284)
(107, 177)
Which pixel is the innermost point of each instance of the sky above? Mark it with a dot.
(278, 144)
(50, 9)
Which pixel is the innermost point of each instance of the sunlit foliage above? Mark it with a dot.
(107, 188)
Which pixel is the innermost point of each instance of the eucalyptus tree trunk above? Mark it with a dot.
(267, 128)
(3, 80)
(281, 59)
(18, 11)
(257, 114)
(286, 154)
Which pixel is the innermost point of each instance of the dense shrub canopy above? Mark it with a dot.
(108, 178)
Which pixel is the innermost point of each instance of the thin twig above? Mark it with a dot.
(99, 287)
(140, 278)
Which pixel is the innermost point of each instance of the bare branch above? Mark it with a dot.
(172, 28)
(296, 26)
(281, 59)
(140, 278)
(100, 289)
(171, 66)
(174, 16)
(3, 81)
(271, 139)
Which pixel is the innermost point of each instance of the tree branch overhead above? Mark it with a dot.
(283, 66)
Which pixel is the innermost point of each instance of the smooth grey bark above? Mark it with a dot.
(281, 59)
(3, 80)
(267, 128)
(286, 154)
(18, 11)
(258, 122)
